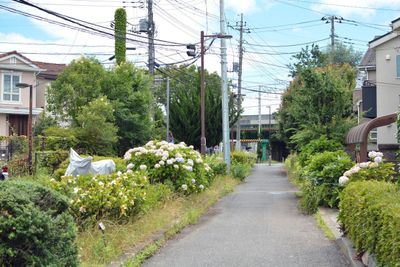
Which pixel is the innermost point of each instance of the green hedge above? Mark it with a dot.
(36, 228)
(370, 216)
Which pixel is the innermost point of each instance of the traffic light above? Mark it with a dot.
(191, 50)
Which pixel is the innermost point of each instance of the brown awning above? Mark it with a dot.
(359, 134)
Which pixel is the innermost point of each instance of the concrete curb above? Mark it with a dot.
(329, 216)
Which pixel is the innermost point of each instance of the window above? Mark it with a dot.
(398, 66)
(10, 91)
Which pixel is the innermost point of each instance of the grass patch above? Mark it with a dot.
(170, 217)
(321, 223)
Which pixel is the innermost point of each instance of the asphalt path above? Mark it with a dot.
(257, 225)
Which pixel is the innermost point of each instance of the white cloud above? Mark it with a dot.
(349, 8)
(241, 6)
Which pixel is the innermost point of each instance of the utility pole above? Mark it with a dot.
(241, 29)
(259, 112)
(224, 91)
(150, 34)
(332, 19)
(203, 143)
(167, 110)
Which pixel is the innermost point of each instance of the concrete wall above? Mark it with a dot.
(388, 88)
(41, 92)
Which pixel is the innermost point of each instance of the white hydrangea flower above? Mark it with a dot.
(119, 173)
(76, 189)
(343, 180)
(129, 171)
(193, 181)
(372, 154)
(379, 154)
(101, 183)
(157, 166)
(190, 162)
(179, 159)
(199, 160)
(184, 187)
(176, 166)
(378, 159)
(161, 162)
(206, 167)
(191, 147)
(364, 165)
(130, 166)
(143, 167)
(201, 187)
(164, 158)
(169, 162)
(189, 168)
(127, 156)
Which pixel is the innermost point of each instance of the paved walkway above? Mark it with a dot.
(257, 225)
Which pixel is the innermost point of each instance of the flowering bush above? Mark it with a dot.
(322, 172)
(176, 164)
(113, 195)
(375, 169)
(216, 163)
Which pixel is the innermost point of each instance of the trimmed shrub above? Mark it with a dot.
(317, 146)
(370, 216)
(35, 227)
(323, 171)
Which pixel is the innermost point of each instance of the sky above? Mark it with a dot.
(274, 31)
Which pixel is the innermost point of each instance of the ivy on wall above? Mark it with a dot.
(120, 35)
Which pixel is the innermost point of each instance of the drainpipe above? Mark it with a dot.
(359, 103)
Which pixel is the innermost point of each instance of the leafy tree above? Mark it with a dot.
(307, 58)
(95, 127)
(185, 105)
(42, 123)
(120, 35)
(318, 102)
(128, 89)
(342, 54)
(79, 83)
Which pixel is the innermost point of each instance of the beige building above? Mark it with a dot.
(387, 80)
(14, 102)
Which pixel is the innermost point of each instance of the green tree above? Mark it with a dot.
(128, 89)
(120, 35)
(95, 127)
(318, 102)
(307, 58)
(185, 105)
(79, 83)
(342, 54)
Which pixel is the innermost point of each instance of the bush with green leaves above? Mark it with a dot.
(104, 196)
(316, 146)
(370, 216)
(57, 138)
(216, 163)
(51, 159)
(243, 157)
(176, 164)
(323, 171)
(36, 228)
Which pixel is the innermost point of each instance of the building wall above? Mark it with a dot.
(3, 125)
(388, 88)
(41, 91)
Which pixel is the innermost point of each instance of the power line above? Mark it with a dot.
(289, 45)
(347, 6)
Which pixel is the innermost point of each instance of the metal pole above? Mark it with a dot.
(30, 131)
(224, 91)
(259, 112)
(203, 144)
(269, 135)
(167, 110)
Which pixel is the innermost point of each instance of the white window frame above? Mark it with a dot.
(11, 93)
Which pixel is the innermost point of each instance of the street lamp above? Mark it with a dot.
(24, 85)
(203, 143)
